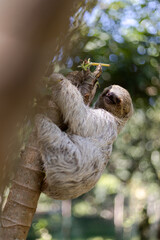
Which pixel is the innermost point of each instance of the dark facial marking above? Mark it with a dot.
(111, 97)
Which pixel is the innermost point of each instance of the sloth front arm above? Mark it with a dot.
(81, 119)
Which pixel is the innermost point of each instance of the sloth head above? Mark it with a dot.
(117, 101)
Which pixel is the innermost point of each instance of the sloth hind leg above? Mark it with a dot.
(49, 135)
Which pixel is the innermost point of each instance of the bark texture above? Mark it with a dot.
(24, 194)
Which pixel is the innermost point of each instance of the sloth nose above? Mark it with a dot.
(109, 94)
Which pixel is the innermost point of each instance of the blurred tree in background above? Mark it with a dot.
(125, 203)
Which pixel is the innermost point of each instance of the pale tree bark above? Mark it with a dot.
(26, 188)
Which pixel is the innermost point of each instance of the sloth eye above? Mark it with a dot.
(118, 100)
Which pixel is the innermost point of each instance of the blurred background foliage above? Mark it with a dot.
(125, 203)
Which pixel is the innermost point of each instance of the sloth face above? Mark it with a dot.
(110, 96)
(116, 100)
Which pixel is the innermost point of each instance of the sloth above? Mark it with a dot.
(74, 160)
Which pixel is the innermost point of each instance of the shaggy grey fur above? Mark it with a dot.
(74, 160)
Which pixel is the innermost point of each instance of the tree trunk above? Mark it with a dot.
(24, 194)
